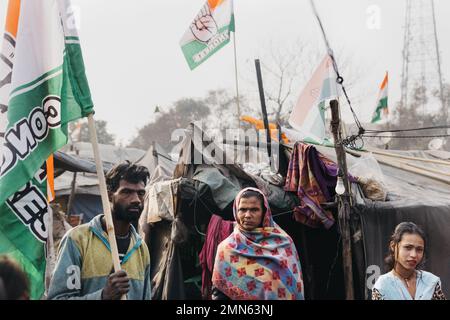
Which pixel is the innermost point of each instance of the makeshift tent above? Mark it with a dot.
(179, 206)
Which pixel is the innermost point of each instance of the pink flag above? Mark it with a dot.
(309, 96)
(308, 114)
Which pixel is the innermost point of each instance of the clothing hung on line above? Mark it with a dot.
(312, 176)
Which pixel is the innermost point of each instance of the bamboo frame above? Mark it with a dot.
(442, 162)
(104, 195)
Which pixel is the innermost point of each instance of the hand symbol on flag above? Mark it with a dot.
(204, 27)
(208, 32)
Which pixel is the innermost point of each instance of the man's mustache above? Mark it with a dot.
(139, 207)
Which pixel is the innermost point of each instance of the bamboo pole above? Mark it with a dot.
(72, 193)
(389, 154)
(397, 163)
(50, 260)
(236, 81)
(104, 195)
(428, 169)
(406, 167)
(344, 203)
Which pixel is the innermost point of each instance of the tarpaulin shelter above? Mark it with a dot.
(179, 207)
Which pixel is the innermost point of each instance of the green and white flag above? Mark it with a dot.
(381, 111)
(209, 32)
(42, 88)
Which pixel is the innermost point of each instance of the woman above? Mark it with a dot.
(258, 261)
(406, 281)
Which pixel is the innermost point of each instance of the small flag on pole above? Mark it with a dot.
(308, 115)
(381, 111)
(43, 88)
(209, 32)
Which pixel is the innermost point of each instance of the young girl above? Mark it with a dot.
(406, 281)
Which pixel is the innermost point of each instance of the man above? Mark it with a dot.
(258, 261)
(84, 268)
(14, 284)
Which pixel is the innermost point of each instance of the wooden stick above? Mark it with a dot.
(345, 201)
(105, 198)
(237, 84)
(404, 166)
(428, 169)
(72, 193)
(50, 259)
(443, 162)
(396, 163)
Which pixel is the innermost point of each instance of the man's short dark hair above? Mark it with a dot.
(127, 171)
(15, 283)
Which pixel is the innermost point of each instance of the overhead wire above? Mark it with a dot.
(356, 141)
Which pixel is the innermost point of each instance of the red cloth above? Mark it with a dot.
(218, 230)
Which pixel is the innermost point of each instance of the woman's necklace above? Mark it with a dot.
(405, 279)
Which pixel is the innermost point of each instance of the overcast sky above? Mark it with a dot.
(134, 61)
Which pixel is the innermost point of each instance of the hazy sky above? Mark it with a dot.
(134, 61)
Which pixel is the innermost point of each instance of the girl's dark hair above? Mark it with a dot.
(400, 230)
(127, 171)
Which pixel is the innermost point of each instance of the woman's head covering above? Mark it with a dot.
(267, 220)
(262, 264)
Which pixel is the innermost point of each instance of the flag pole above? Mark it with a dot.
(104, 195)
(387, 95)
(50, 259)
(236, 68)
(236, 81)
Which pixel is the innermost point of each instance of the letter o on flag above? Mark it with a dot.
(38, 124)
(52, 110)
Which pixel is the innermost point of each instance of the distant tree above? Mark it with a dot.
(287, 68)
(445, 109)
(217, 111)
(180, 115)
(223, 110)
(414, 115)
(103, 135)
(283, 68)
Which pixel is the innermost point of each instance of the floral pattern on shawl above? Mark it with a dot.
(262, 264)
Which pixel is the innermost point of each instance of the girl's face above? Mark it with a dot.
(409, 251)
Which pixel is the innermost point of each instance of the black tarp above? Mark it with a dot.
(412, 197)
(379, 221)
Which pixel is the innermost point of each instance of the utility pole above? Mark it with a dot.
(344, 200)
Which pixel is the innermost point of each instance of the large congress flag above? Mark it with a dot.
(42, 87)
(208, 32)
